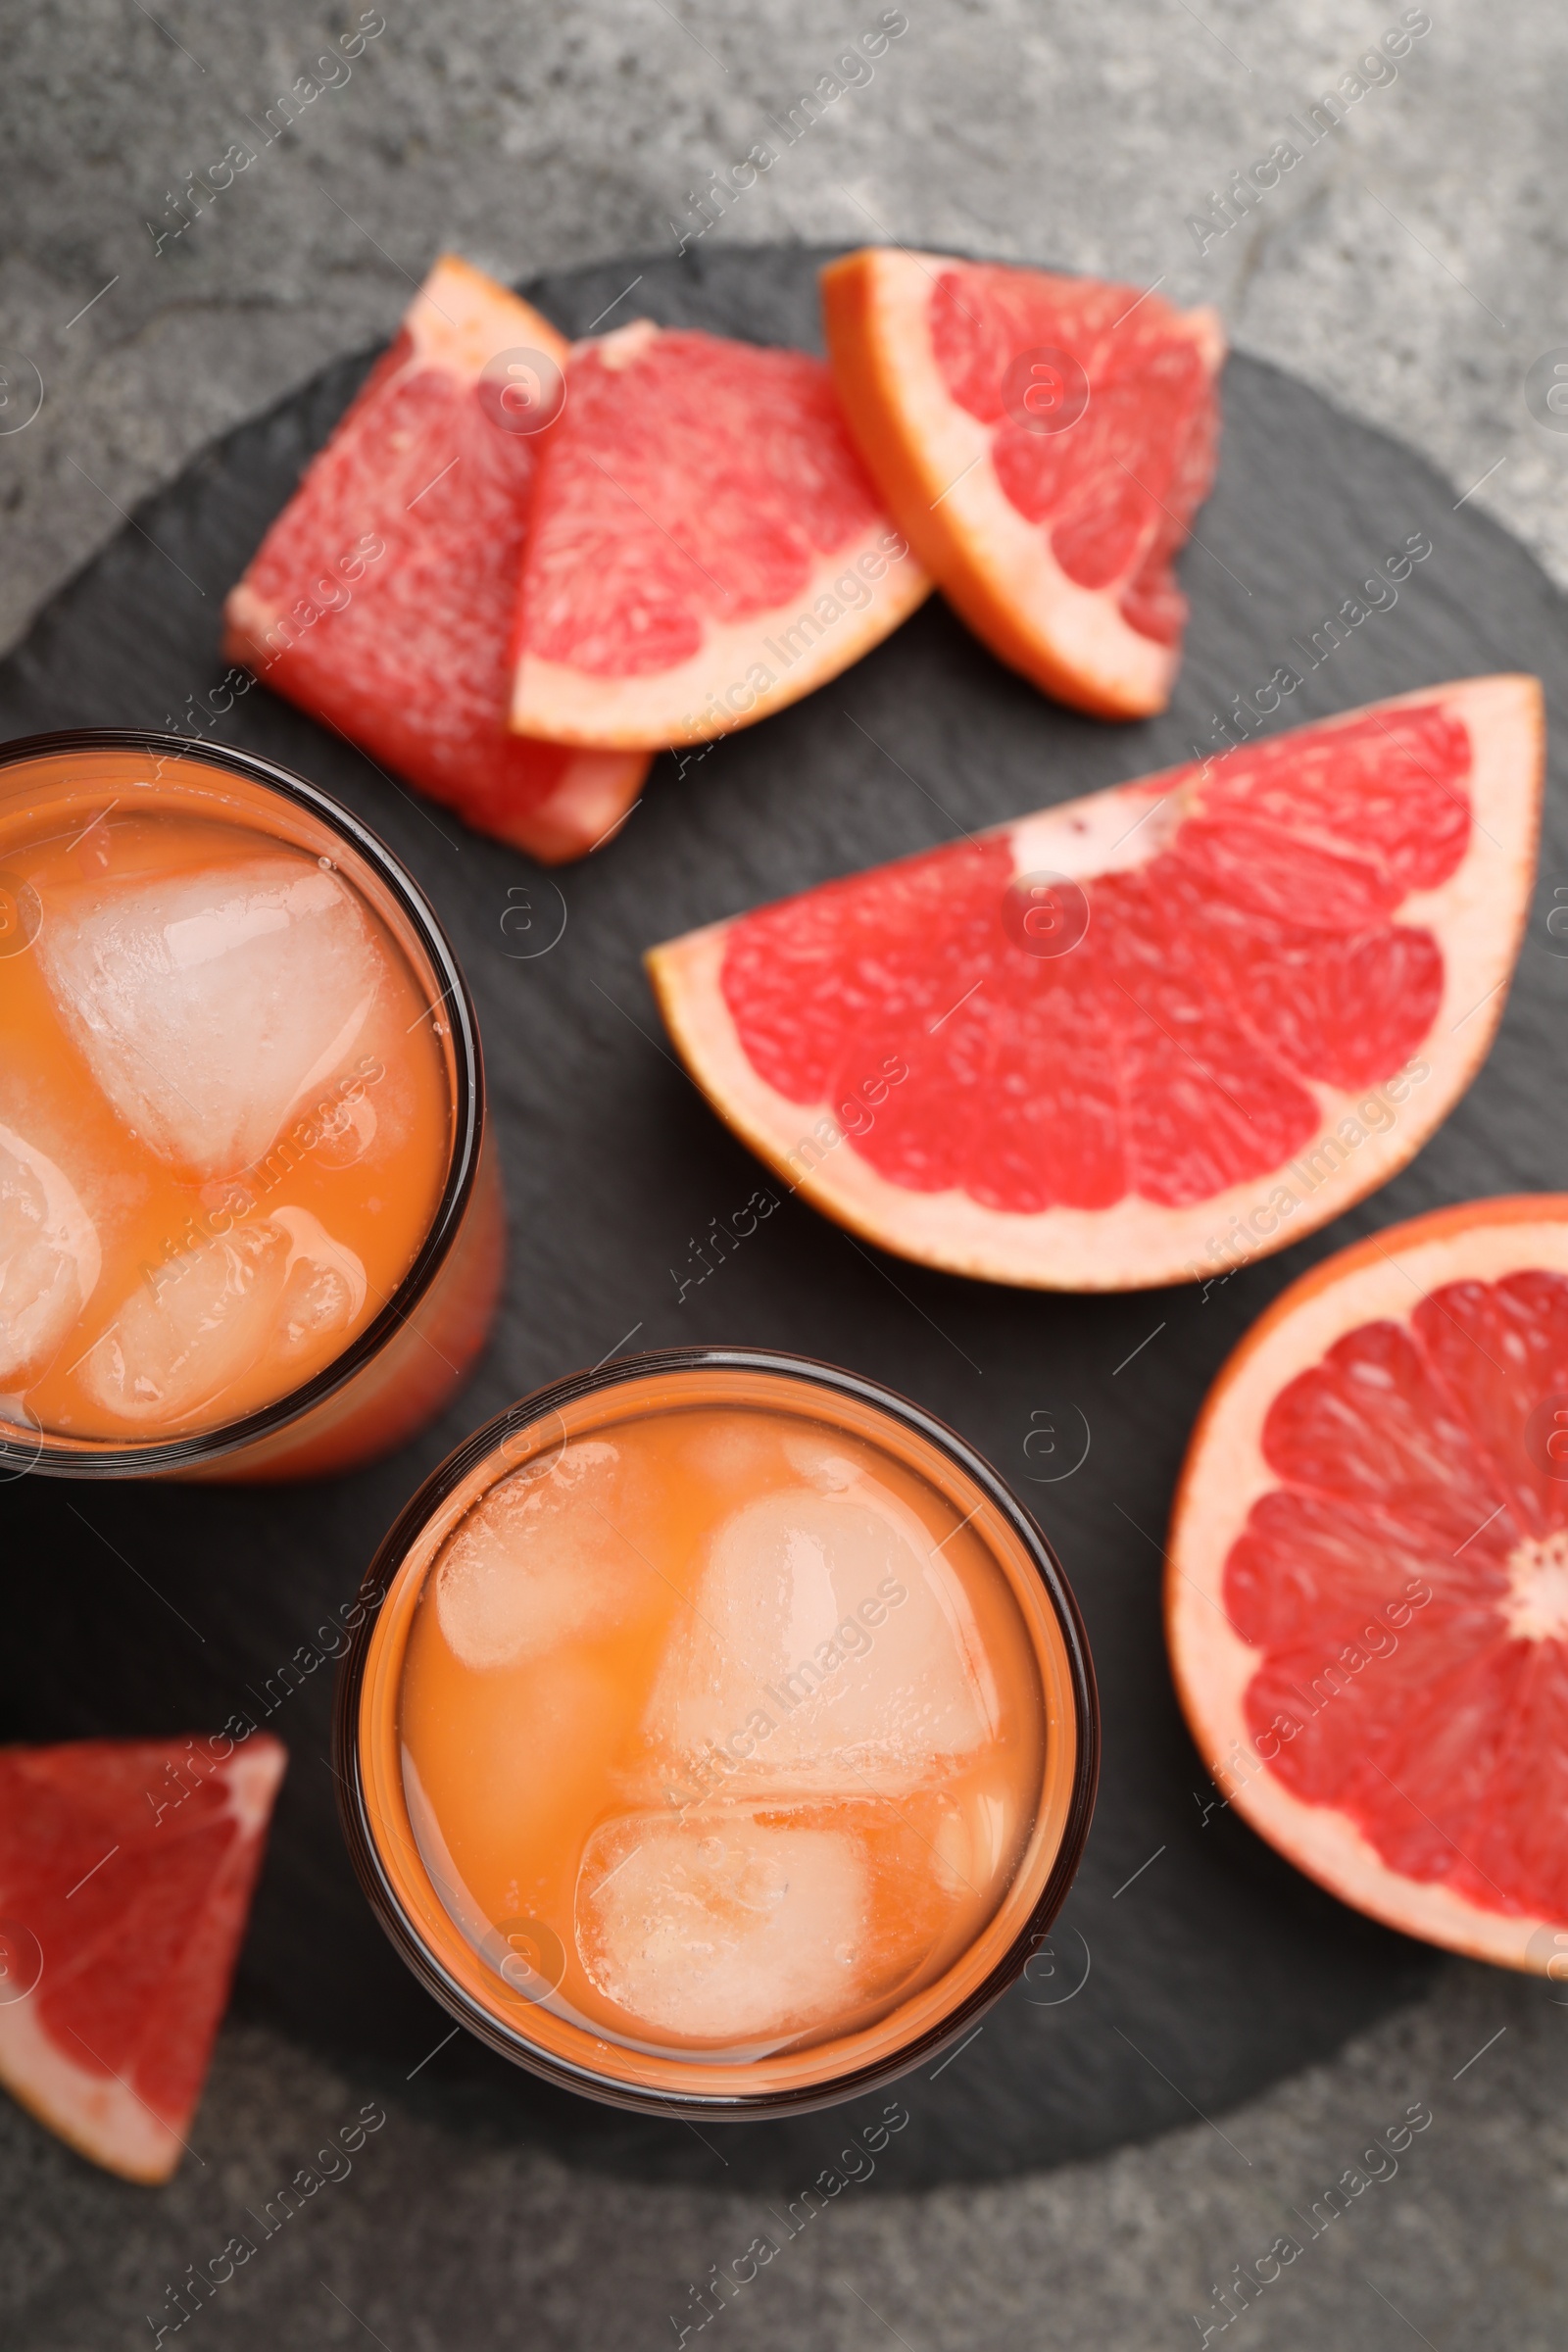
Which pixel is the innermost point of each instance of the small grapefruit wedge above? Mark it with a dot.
(1145, 1036)
(125, 1876)
(706, 545)
(1367, 1594)
(382, 598)
(1044, 443)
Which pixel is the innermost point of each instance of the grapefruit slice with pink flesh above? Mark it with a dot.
(706, 544)
(1367, 1596)
(1145, 1036)
(126, 1875)
(382, 598)
(1044, 443)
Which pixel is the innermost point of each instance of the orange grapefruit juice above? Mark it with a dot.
(725, 1729)
(225, 1099)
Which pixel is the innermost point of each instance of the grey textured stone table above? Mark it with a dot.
(1410, 267)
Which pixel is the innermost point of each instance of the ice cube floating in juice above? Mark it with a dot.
(727, 1728)
(226, 1113)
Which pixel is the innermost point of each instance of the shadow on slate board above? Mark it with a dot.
(135, 1609)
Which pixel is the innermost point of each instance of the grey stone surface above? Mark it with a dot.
(438, 2236)
(1411, 267)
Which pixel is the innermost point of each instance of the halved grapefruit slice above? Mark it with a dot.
(1148, 1034)
(706, 545)
(125, 1876)
(382, 598)
(1367, 1596)
(1043, 442)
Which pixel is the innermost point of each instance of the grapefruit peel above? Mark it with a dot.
(932, 459)
(51, 2067)
(618, 450)
(1225, 1473)
(426, 689)
(1477, 914)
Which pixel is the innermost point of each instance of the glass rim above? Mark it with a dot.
(348, 1773)
(153, 1456)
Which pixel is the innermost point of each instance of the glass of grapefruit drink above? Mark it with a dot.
(250, 1222)
(718, 1735)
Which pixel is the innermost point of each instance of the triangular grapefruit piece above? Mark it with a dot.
(1143, 1037)
(1367, 1596)
(125, 1876)
(382, 598)
(706, 544)
(1044, 443)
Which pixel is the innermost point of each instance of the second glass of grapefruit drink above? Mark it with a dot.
(250, 1221)
(718, 1734)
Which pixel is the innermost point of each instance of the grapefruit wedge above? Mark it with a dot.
(1043, 442)
(706, 545)
(125, 1876)
(1368, 1596)
(382, 598)
(1145, 1036)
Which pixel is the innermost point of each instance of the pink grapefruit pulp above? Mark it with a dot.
(382, 598)
(126, 1875)
(1144, 1035)
(1043, 442)
(706, 545)
(1367, 1597)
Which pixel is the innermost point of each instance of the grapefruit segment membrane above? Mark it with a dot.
(1368, 1591)
(706, 545)
(1145, 1036)
(1043, 442)
(382, 598)
(127, 1867)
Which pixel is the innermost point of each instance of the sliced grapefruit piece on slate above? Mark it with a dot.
(1044, 443)
(706, 544)
(126, 1875)
(382, 598)
(1368, 1596)
(1143, 1037)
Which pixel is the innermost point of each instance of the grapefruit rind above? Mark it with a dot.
(1478, 916)
(102, 2119)
(713, 693)
(931, 461)
(1225, 1473)
(848, 601)
(596, 795)
(457, 322)
(100, 2115)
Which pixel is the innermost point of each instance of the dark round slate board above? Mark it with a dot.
(133, 1609)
